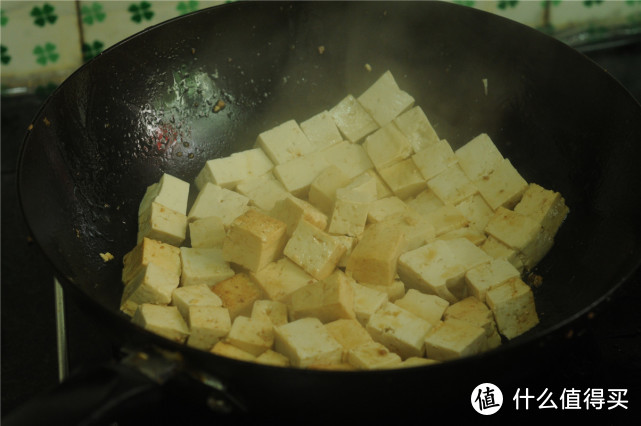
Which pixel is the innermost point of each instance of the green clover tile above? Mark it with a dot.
(141, 11)
(90, 51)
(590, 3)
(92, 13)
(45, 14)
(628, 2)
(504, 4)
(4, 19)
(4, 57)
(184, 7)
(46, 54)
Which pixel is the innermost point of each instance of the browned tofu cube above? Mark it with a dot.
(238, 294)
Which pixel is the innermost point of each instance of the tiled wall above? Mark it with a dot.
(45, 41)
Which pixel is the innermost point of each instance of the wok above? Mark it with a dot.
(144, 107)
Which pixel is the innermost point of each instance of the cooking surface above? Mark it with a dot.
(607, 356)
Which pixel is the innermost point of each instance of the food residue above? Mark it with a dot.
(106, 256)
(219, 105)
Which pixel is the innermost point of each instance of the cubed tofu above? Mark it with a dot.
(416, 229)
(194, 295)
(230, 351)
(153, 284)
(349, 333)
(489, 275)
(322, 191)
(270, 357)
(321, 130)
(203, 266)
(394, 291)
(238, 294)
(374, 258)
(387, 146)
(452, 339)
(349, 243)
(227, 172)
(544, 206)
(350, 158)
(427, 306)
(163, 320)
(416, 127)
(479, 157)
(416, 362)
(307, 342)
(351, 208)
(270, 310)
(399, 330)
(503, 187)
(434, 159)
(315, 251)
(212, 200)
(291, 210)
(207, 325)
(254, 239)
(475, 236)
(425, 202)
(352, 120)
(278, 280)
(446, 219)
(285, 142)
(169, 191)
(263, 191)
(384, 100)
(382, 190)
(253, 335)
(298, 174)
(512, 304)
(372, 356)
(328, 300)
(403, 178)
(367, 300)
(476, 211)
(150, 251)
(498, 250)
(385, 207)
(207, 232)
(473, 311)
(163, 224)
(452, 185)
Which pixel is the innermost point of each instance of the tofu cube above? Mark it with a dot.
(382, 190)
(212, 200)
(349, 333)
(473, 235)
(352, 120)
(328, 300)
(544, 206)
(278, 280)
(374, 258)
(453, 339)
(315, 251)
(285, 142)
(194, 295)
(415, 229)
(349, 243)
(498, 250)
(367, 301)
(207, 232)
(253, 335)
(479, 157)
(399, 330)
(403, 178)
(476, 211)
(238, 294)
(254, 239)
(418, 130)
(452, 185)
(387, 146)
(203, 266)
(434, 159)
(207, 325)
(473, 311)
(488, 275)
(163, 320)
(270, 357)
(371, 356)
(416, 362)
(307, 342)
(426, 306)
(321, 130)
(170, 192)
(230, 351)
(298, 174)
(270, 310)
(384, 208)
(152, 285)
(446, 219)
(291, 210)
(227, 172)
(350, 158)
(322, 190)
(512, 304)
(425, 202)
(351, 208)
(384, 100)
(150, 251)
(263, 191)
(503, 187)
(162, 224)
(394, 291)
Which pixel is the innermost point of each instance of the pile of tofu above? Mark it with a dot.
(357, 239)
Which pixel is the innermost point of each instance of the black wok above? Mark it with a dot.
(144, 107)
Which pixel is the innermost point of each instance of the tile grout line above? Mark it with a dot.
(81, 33)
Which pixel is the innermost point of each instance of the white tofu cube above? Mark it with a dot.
(307, 342)
(371, 356)
(162, 224)
(322, 190)
(230, 351)
(489, 275)
(383, 208)
(349, 333)
(387, 146)
(254, 239)
(263, 191)
(328, 300)
(544, 206)
(212, 200)
(298, 174)
(270, 357)
(399, 330)
(169, 191)
(498, 250)
(285, 142)
(227, 172)
(425, 202)
(253, 335)
(474, 311)
(238, 294)
(153, 284)
(163, 320)
(150, 251)
(352, 119)
(315, 251)
(349, 243)
(291, 210)
(321, 130)
(394, 291)
(446, 219)
(350, 158)
(278, 280)
(351, 207)
(270, 310)
(503, 187)
(403, 178)
(207, 232)
(367, 301)
(416, 362)
(194, 295)
(479, 157)
(434, 159)
(203, 266)
(475, 236)
(476, 211)
(454, 339)
(416, 229)
(418, 130)
(427, 306)
(207, 325)
(452, 185)
(382, 190)
(384, 100)
(512, 304)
